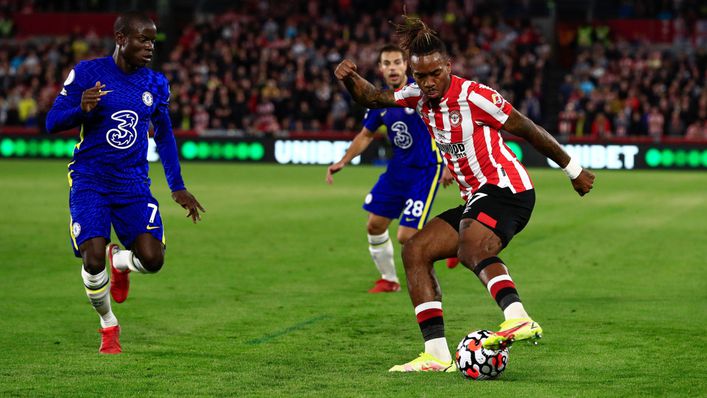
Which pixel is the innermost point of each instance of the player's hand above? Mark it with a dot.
(333, 169)
(446, 178)
(189, 202)
(345, 69)
(584, 182)
(91, 97)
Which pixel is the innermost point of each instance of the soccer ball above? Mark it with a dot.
(476, 362)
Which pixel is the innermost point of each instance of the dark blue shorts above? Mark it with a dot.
(94, 209)
(406, 193)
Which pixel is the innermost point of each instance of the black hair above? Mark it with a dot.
(418, 39)
(390, 48)
(127, 21)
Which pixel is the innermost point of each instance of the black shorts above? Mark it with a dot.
(499, 209)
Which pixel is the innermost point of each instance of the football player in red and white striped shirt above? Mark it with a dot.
(465, 118)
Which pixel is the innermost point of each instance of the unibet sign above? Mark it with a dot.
(611, 157)
(311, 152)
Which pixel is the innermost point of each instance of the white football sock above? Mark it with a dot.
(97, 290)
(381, 249)
(439, 349)
(515, 310)
(125, 260)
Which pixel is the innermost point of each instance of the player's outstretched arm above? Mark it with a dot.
(518, 124)
(167, 149)
(358, 145)
(361, 89)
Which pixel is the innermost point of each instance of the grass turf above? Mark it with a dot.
(267, 296)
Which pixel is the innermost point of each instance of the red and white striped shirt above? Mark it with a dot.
(465, 124)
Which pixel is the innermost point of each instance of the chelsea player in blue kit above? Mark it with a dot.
(113, 100)
(409, 185)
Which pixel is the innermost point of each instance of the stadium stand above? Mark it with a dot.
(259, 73)
(267, 69)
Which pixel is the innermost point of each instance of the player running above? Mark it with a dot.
(409, 185)
(114, 99)
(465, 118)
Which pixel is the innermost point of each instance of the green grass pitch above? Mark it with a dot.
(267, 296)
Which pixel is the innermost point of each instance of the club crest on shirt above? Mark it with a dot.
(497, 99)
(455, 118)
(147, 98)
(76, 229)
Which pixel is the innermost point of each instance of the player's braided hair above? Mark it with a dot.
(417, 38)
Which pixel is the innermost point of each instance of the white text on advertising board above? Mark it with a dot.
(612, 157)
(311, 152)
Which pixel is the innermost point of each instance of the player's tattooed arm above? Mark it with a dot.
(362, 90)
(518, 124)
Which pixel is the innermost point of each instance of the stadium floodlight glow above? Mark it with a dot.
(203, 151)
(7, 147)
(58, 148)
(70, 146)
(242, 150)
(32, 148)
(257, 151)
(517, 150)
(189, 150)
(693, 158)
(216, 150)
(676, 157)
(43, 148)
(222, 150)
(653, 157)
(229, 151)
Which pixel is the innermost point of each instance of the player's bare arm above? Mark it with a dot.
(358, 145)
(362, 91)
(185, 199)
(92, 96)
(518, 124)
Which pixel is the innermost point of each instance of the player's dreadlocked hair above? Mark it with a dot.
(417, 38)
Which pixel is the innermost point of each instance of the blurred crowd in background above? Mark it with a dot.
(269, 68)
(255, 72)
(619, 89)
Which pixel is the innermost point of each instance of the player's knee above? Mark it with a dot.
(152, 261)
(470, 254)
(404, 237)
(94, 262)
(374, 228)
(413, 252)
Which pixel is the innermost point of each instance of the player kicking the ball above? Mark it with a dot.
(113, 100)
(409, 185)
(465, 118)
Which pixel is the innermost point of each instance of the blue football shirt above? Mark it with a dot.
(114, 135)
(411, 141)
